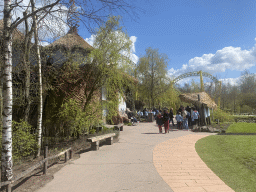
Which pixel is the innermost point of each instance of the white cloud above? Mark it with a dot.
(232, 58)
(231, 81)
(90, 40)
(134, 57)
(43, 43)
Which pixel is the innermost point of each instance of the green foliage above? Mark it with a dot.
(151, 72)
(24, 142)
(242, 128)
(92, 131)
(74, 120)
(129, 124)
(110, 42)
(246, 108)
(222, 116)
(76, 104)
(170, 99)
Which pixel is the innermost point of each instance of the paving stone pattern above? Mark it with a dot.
(178, 163)
(141, 161)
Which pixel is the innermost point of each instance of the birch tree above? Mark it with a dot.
(94, 12)
(6, 158)
(38, 59)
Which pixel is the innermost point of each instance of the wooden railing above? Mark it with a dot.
(43, 162)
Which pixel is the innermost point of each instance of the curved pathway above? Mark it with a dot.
(178, 163)
(126, 165)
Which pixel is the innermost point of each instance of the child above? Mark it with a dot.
(179, 120)
(159, 121)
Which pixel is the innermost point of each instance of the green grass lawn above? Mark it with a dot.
(242, 128)
(232, 158)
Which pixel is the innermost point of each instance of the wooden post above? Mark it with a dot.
(95, 145)
(9, 188)
(46, 162)
(66, 157)
(109, 141)
(212, 115)
(201, 81)
(70, 154)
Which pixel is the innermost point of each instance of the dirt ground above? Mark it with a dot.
(36, 179)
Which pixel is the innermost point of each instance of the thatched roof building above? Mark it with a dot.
(193, 98)
(16, 35)
(72, 40)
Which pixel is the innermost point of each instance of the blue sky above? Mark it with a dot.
(210, 35)
(214, 36)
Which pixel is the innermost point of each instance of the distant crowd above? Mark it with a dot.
(185, 117)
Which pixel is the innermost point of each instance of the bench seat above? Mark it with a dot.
(96, 140)
(119, 126)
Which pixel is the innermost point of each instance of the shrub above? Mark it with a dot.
(117, 119)
(125, 120)
(24, 142)
(222, 116)
(129, 124)
(92, 131)
(74, 121)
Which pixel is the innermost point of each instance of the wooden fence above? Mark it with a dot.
(44, 162)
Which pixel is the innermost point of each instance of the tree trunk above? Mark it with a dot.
(40, 105)
(27, 71)
(6, 159)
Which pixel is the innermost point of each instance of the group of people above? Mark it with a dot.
(185, 117)
(144, 113)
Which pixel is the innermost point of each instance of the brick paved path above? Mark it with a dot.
(142, 161)
(178, 163)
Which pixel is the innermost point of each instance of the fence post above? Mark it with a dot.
(70, 154)
(66, 157)
(9, 188)
(46, 162)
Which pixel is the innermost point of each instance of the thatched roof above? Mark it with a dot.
(16, 35)
(71, 40)
(193, 98)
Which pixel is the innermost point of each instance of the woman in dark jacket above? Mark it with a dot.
(159, 121)
(171, 116)
(166, 121)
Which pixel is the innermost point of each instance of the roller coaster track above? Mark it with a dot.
(195, 73)
(201, 74)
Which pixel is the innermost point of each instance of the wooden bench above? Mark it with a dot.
(119, 127)
(96, 140)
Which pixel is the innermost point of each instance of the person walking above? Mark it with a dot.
(188, 118)
(179, 120)
(171, 116)
(184, 116)
(159, 121)
(146, 114)
(166, 121)
(195, 117)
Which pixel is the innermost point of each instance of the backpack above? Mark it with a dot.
(195, 115)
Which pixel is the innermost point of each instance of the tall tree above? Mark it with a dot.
(6, 159)
(95, 13)
(38, 59)
(248, 89)
(107, 61)
(152, 75)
